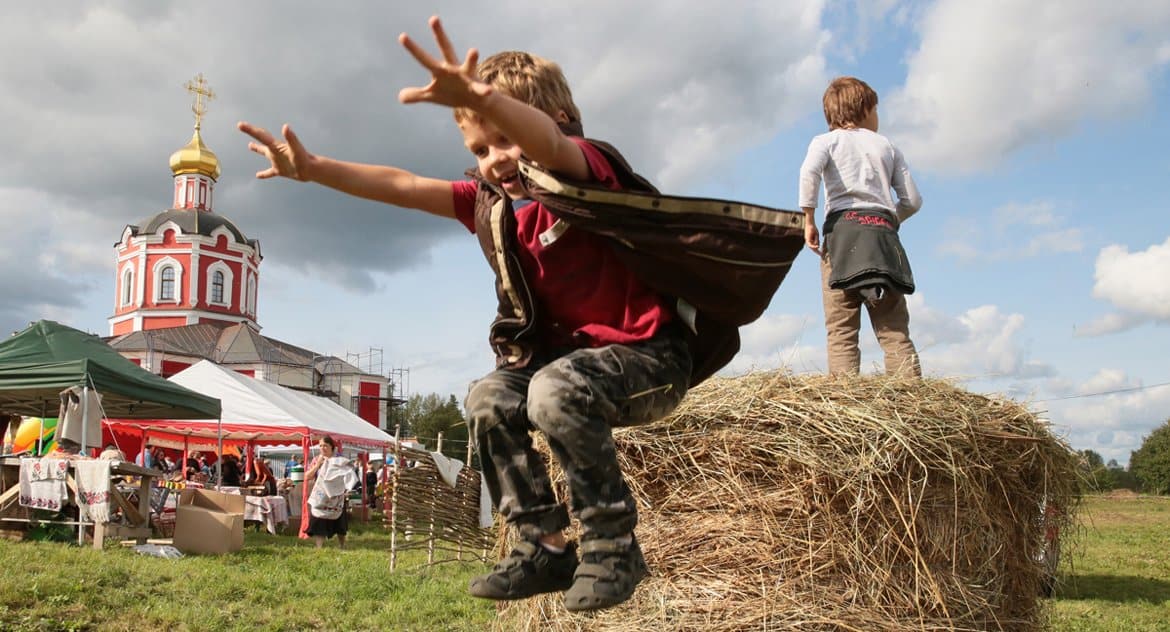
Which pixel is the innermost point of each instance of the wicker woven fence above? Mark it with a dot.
(426, 513)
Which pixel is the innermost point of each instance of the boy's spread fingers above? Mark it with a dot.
(444, 42)
(259, 133)
(412, 95)
(471, 61)
(418, 53)
(293, 142)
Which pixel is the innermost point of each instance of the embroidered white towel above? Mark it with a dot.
(93, 489)
(42, 483)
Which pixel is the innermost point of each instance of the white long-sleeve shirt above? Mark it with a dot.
(859, 167)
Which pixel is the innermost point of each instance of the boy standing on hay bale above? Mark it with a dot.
(584, 341)
(862, 262)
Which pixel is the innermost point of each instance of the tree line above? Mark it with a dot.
(423, 417)
(1148, 472)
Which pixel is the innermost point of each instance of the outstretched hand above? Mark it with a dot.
(289, 159)
(453, 83)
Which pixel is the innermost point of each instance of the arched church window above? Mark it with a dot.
(217, 287)
(128, 285)
(166, 291)
(252, 295)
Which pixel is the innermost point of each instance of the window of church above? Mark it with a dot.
(166, 291)
(167, 281)
(250, 304)
(127, 285)
(217, 287)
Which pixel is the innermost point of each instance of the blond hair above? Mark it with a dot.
(847, 101)
(530, 79)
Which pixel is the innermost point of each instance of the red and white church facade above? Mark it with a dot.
(187, 289)
(186, 265)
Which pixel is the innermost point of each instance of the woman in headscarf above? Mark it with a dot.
(330, 476)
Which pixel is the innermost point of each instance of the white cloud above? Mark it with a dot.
(1028, 214)
(1068, 240)
(1134, 283)
(1016, 231)
(1110, 323)
(1105, 380)
(979, 344)
(684, 95)
(1112, 424)
(992, 77)
(780, 340)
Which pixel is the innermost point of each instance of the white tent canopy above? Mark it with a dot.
(261, 412)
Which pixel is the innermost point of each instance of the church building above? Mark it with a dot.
(186, 289)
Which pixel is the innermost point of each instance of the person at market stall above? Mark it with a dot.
(371, 484)
(330, 476)
(293, 461)
(262, 476)
(231, 470)
(112, 453)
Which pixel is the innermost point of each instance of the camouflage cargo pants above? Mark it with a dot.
(575, 400)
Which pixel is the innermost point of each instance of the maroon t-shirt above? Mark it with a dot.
(576, 277)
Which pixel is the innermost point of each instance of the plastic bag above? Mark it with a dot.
(159, 550)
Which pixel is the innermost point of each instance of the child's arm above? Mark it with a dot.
(810, 186)
(812, 237)
(454, 84)
(909, 200)
(373, 182)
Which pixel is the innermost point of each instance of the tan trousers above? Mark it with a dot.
(891, 324)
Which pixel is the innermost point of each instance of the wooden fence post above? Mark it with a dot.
(394, 497)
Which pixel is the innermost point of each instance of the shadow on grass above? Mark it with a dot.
(1118, 588)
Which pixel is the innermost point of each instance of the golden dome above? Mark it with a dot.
(195, 158)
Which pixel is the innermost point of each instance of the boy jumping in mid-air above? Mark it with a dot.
(582, 345)
(862, 261)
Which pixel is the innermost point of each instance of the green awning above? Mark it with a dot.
(47, 357)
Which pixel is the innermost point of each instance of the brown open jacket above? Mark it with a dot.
(720, 262)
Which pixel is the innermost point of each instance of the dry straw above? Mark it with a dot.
(774, 502)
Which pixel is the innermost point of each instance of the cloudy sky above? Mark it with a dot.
(1035, 128)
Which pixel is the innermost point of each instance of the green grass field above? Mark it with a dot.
(274, 583)
(1117, 577)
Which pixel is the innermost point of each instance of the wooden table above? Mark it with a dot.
(135, 522)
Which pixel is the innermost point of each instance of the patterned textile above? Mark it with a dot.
(42, 483)
(271, 510)
(334, 480)
(93, 489)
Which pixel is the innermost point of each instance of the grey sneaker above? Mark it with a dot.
(608, 573)
(530, 569)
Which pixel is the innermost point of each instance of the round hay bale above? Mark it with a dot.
(780, 502)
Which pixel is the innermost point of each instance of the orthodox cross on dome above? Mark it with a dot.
(198, 87)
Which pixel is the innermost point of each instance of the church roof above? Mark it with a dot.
(228, 344)
(191, 222)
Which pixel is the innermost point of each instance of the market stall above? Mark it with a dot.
(49, 368)
(255, 413)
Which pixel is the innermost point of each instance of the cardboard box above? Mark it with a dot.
(208, 521)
